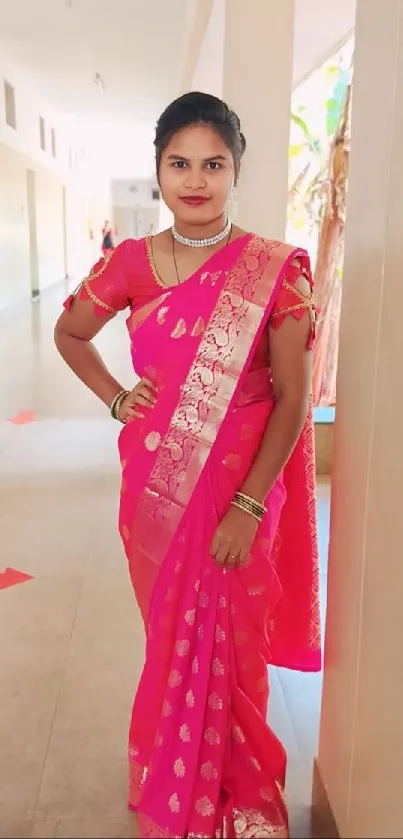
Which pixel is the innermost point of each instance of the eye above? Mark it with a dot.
(179, 164)
(213, 165)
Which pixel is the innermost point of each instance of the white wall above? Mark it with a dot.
(133, 193)
(14, 235)
(30, 105)
(68, 196)
(209, 72)
(135, 213)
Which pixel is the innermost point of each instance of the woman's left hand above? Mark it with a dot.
(233, 539)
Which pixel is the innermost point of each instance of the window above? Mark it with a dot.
(53, 136)
(42, 133)
(9, 99)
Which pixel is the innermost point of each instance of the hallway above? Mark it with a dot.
(71, 638)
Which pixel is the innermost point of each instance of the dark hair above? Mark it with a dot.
(203, 108)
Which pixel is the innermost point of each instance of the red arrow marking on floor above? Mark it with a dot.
(12, 577)
(23, 417)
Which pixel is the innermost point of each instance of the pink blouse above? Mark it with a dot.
(127, 277)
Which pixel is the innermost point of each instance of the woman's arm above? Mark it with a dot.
(74, 332)
(291, 366)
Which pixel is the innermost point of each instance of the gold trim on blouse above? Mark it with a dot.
(85, 283)
(306, 302)
(151, 262)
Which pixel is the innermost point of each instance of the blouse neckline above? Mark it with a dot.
(159, 281)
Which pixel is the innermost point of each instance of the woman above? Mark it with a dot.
(217, 511)
(108, 237)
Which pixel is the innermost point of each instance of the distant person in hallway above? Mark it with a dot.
(108, 239)
(217, 512)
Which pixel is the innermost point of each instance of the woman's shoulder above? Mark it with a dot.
(287, 248)
(130, 246)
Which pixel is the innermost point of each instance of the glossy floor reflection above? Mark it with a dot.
(71, 641)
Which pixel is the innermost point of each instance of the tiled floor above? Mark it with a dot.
(70, 639)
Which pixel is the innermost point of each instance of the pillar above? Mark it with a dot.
(257, 83)
(359, 768)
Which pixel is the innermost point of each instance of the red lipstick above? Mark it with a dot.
(194, 200)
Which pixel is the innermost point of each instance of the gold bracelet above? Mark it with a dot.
(245, 509)
(116, 403)
(250, 502)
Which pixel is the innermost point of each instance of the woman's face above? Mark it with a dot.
(197, 175)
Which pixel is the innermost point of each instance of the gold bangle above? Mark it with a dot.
(116, 403)
(250, 502)
(245, 509)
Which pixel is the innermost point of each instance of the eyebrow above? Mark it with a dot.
(205, 160)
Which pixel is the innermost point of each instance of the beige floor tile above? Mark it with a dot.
(15, 829)
(41, 610)
(46, 532)
(26, 717)
(80, 789)
(44, 828)
(20, 779)
(96, 698)
(108, 607)
(91, 828)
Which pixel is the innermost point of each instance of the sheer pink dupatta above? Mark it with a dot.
(203, 761)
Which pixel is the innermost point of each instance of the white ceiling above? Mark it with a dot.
(138, 48)
(134, 45)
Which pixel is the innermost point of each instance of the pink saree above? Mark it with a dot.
(203, 761)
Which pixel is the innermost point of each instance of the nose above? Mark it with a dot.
(195, 178)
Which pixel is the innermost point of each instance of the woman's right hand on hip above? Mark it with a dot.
(143, 396)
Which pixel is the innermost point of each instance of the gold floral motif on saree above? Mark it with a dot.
(212, 736)
(249, 824)
(180, 329)
(215, 702)
(238, 734)
(208, 771)
(217, 667)
(182, 648)
(174, 803)
(184, 733)
(175, 679)
(198, 328)
(179, 768)
(161, 315)
(190, 699)
(167, 709)
(152, 441)
(204, 806)
(203, 600)
(220, 635)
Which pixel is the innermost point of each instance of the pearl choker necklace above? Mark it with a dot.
(203, 243)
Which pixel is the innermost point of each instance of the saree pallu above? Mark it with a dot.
(203, 761)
